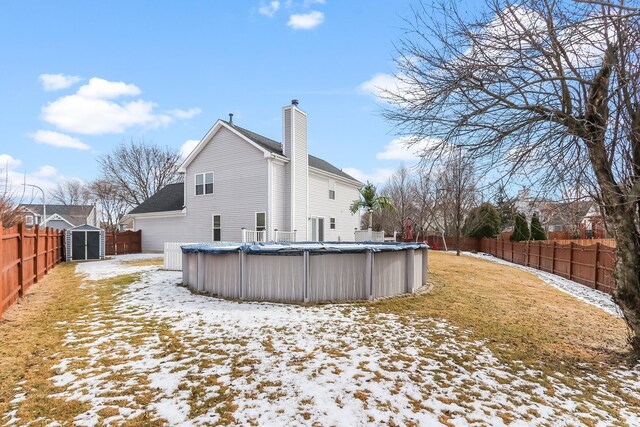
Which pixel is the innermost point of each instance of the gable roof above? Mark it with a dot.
(73, 214)
(276, 148)
(168, 198)
(264, 144)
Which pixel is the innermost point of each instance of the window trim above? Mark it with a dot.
(213, 227)
(332, 189)
(204, 183)
(332, 223)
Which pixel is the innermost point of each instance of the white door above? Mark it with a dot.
(317, 229)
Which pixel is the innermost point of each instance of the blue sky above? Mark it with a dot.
(79, 77)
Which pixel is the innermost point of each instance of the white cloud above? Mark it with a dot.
(46, 171)
(95, 110)
(269, 9)
(188, 147)
(306, 21)
(7, 162)
(11, 180)
(399, 148)
(185, 114)
(309, 3)
(104, 89)
(51, 82)
(377, 176)
(57, 139)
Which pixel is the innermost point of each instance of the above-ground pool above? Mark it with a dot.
(305, 272)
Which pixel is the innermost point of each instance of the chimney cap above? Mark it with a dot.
(230, 118)
(294, 102)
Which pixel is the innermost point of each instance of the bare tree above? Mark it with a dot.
(111, 206)
(400, 189)
(456, 193)
(139, 169)
(71, 192)
(536, 88)
(9, 212)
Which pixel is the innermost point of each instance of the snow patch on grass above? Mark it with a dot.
(584, 293)
(194, 360)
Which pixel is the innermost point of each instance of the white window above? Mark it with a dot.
(29, 219)
(332, 223)
(217, 229)
(332, 190)
(261, 221)
(204, 183)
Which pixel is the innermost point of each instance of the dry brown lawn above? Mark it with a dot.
(519, 315)
(31, 341)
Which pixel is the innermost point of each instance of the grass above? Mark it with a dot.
(32, 342)
(145, 262)
(518, 315)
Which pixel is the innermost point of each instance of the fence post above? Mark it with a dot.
(21, 257)
(570, 260)
(595, 266)
(36, 242)
(528, 253)
(47, 232)
(1, 269)
(553, 259)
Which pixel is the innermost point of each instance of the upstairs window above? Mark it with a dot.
(332, 190)
(204, 183)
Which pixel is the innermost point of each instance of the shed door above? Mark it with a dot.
(78, 243)
(93, 245)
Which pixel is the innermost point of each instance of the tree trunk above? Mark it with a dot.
(627, 274)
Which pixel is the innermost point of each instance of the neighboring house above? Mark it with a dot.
(60, 217)
(235, 179)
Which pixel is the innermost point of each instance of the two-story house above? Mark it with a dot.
(60, 217)
(238, 185)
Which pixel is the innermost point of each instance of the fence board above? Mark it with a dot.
(125, 242)
(591, 265)
(26, 255)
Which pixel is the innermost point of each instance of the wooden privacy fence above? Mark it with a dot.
(126, 242)
(589, 265)
(26, 255)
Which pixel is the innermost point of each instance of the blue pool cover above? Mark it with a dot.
(299, 247)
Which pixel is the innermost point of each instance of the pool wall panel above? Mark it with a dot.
(274, 278)
(337, 277)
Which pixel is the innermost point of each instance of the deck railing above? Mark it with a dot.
(253, 235)
(369, 236)
(284, 236)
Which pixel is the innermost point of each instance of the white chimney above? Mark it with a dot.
(294, 137)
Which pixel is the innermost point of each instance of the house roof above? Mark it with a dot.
(168, 198)
(276, 148)
(73, 214)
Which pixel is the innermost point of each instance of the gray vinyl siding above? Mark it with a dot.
(240, 186)
(321, 206)
(157, 231)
